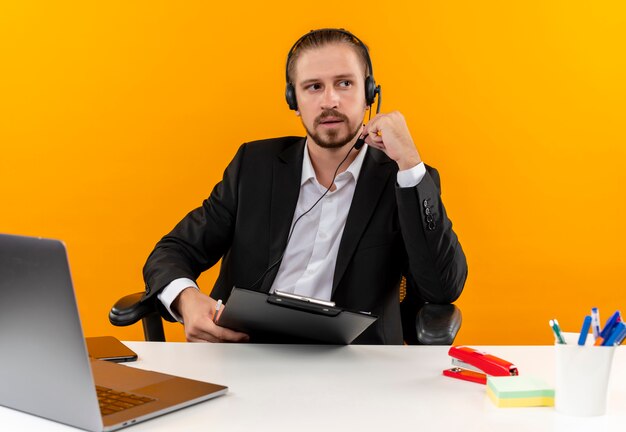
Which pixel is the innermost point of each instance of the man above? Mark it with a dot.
(381, 218)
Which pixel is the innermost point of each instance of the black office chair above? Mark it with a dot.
(422, 323)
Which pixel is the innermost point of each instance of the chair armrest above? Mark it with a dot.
(438, 324)
(130, 309)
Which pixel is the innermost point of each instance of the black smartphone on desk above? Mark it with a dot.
(110, 349)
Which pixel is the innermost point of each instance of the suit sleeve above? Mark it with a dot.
(200, 239)
(436, 262)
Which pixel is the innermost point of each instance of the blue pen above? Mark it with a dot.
(584, 331)
(616, 337)
(610, 325)
(595, 322)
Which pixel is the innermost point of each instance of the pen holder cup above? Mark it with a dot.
(582, 379)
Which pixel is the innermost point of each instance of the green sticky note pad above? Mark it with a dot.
(519, 391)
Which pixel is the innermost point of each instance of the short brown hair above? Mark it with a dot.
(322, 37)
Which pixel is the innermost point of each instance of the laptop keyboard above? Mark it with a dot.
(112, 401)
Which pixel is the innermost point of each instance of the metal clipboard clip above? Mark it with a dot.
(473, 365)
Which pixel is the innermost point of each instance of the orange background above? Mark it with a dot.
(116, 118)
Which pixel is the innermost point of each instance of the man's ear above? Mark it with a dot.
(298, 113)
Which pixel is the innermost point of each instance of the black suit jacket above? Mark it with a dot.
(390, 232)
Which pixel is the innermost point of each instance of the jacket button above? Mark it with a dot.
(426, 203)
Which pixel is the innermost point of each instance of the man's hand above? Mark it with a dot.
(389, 133)
(198, 310)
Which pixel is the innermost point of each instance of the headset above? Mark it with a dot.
(371, 89)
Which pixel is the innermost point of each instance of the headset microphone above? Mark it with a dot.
(361, 141)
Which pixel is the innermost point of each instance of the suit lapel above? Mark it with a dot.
(287, 173)
(374, 175)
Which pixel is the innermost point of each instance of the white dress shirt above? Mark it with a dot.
(308, 265)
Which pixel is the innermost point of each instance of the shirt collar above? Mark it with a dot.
(308, 173)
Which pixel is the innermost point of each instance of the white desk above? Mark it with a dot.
(352, 388)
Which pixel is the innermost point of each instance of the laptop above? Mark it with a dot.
(44, 366)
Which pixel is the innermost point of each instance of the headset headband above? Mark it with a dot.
(371, 89)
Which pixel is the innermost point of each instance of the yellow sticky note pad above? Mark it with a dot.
(519, 391)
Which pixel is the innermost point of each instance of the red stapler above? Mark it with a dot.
(473, 365)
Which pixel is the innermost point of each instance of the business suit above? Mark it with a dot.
(388, 233)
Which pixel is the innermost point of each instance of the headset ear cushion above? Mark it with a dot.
(290, 97)
(370, 90)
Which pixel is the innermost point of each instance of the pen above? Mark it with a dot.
(554, 324)
(616, 336)
(218, 306)
(584, 331)
(610, 325)
(620, 338)
(595, 322)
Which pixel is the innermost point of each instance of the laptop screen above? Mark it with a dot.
(44, 369)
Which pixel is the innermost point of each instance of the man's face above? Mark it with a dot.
(329, 83)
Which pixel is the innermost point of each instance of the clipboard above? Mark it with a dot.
(292, 319)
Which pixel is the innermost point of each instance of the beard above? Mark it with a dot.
(332, 138)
